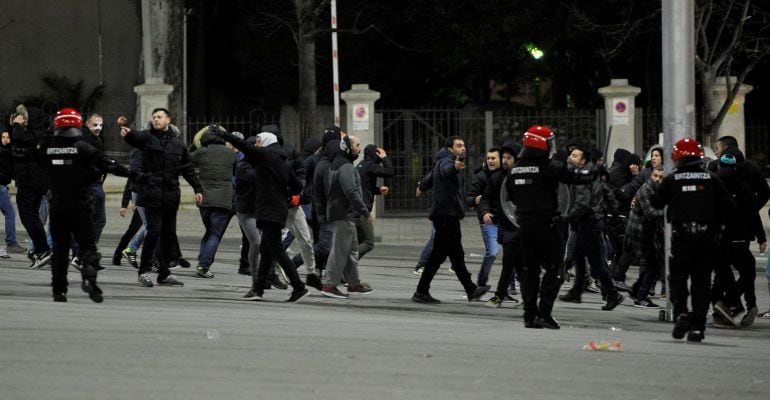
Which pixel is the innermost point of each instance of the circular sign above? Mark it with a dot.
(360, 112)
(620, 106)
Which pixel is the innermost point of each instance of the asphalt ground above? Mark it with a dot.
(202, 341)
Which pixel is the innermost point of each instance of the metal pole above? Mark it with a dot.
(101, 52)
(184, 76)
(678, 69)
(335, 65)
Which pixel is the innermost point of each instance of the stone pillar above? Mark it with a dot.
(734, 123)
(153, 93)
(360, 112)
(620, 107)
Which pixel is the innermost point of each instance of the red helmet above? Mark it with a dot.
(67, 118)
(537, 137)
(687, 147)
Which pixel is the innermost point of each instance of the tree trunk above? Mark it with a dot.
(306, 69)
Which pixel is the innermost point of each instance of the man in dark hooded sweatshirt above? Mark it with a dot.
(344, 206)
(446, 211)
(376, 164)
(275, 181)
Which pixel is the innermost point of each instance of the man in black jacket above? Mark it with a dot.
(31, 181)
(376, 164)
(164, 158)
(6, 207)
(446, 211)
(489, 232)
(276, 181)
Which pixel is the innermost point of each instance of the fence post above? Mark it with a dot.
(489, 134)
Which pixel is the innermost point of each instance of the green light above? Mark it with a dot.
(535, 52)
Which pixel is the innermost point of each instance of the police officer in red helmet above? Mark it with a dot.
(72, 165)
(697, 205)
(532, 187)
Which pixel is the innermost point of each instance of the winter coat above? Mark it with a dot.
(344, 199)
(644, 227)
(275, 180)
(245, 187)
(215, 163)
(28, 170)
(448, 187)
(319, 179)
(164, 158)
(743, 221)
(371, 168)
(479, 183)
(6, 164)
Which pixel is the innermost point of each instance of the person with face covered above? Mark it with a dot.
(344, 205)
(276, 182)
(375, 164)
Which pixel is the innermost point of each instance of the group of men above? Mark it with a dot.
(549, 209)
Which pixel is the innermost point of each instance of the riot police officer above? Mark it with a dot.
(72, 165)
(697, 204)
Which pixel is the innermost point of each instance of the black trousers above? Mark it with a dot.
(271, 248)
(511, 262)
(446, 243)
(71, 217)
(541, 248)
(692, 257)
(160, 240)
(28, 202)
(588, 246)
(739, 256)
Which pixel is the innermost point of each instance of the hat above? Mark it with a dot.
(331, 133)
(727, 161)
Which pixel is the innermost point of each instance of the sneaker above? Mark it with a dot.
(281, 274)
(494, 302)
(681, 326)
(748, 319)
(15, 248)
(253, 295)
(721, 323)
(333, 292)
(116, 259)
(451, 269)
(571, 298)
(724, 311)
(203, 272)
(424, 298)
(314, 281)
(145, 280)
(275, 282)
(155, 266)
(480, 291)
(622, 286)
(613, 302)
(508, 297)
(645, 303)
(130, 256)
(297, 295)
(361, 288)
(93, 291)
(547, 322)
(418, 270)
(182, 262)
(695, 336)
(60, 297)
(40, 260)
(532, 325)
(170, 281)
(765, 315)
(75, 262)
(591, 287)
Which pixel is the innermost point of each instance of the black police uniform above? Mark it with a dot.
(697, 202)
(72, 165)
(532, 186)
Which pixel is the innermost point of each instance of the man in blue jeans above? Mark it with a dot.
(488, 231)
(6, 206)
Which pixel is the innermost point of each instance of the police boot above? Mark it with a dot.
(89, 284)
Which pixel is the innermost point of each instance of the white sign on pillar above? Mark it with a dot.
(360, 117)
(620, 114)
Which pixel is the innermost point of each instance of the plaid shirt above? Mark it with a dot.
(644, 228)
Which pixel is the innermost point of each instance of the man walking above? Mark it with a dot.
(446, 211)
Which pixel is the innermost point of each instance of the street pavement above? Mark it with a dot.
(202, 341)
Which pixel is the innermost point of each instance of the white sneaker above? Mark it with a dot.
(145, 280)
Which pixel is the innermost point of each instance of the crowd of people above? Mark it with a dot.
(550, 210)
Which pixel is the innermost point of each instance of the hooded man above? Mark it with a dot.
(376, 164)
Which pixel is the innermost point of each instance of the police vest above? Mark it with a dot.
(693, 196)
(534, 192)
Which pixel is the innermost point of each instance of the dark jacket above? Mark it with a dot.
(164, 158)
(620, 177)
(644, 227)
(28, 167)
(749, 173)
(245, 187)
(743, 221)
(448, 187)
(344, 198)
(310, 156)
(586, 203)
(275, 180)
(319, 179)
(490, 203)
(6, 164)
(371, 168)
(215, 163)
(693, 193)
(479, 183)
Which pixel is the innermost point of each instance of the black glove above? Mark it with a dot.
(191, 148)
(217, 131)
(138, 177)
